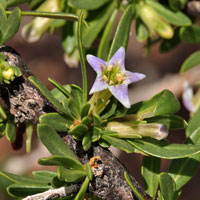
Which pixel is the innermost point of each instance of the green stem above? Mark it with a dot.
(54, 15)
(82, 57)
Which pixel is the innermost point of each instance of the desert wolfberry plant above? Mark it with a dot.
(77, 125)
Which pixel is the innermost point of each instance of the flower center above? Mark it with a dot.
(112, 75)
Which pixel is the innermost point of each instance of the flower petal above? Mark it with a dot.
(96, 63)
(119, 58)
(187, 97)
(98, 85)
(133, 77)
(120, 92)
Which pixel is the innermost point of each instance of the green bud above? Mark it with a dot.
(132, 130)
(164, 30)
(8, 74)
(33, 31)
(154, 22)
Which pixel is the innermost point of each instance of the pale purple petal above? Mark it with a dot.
(119, 58)
(98, 85)
(96, 63)
(133, 77)
(187, 97)
(120, 92)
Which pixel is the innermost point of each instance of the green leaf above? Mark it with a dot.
(74, 107)
(85, 110)
(63, 89)
(194, 123)
(87, 141)
(88, 4)
(96, 23)
(96, 134)
(78, 94)
(150, 174)
(167, 186)
(119, 143)
(43, 175)
(2, 129)
(22, 180)
(10, 131)
(177, 4)
(65, 161)
(11, 3)
(79, 130)
(104, 143)
(110, 109)
(128, 180)
(172, 122)
(97, 120)
(54, 143)
(48, 94)
(29, 132)
(192, 61)
(104, 45)
(56, 121)
(163, 103)
(89, 171)
(2, 113)
(12, 24)
(86, 121)
(17, 71)
(17, 190)
(3, 18)
(56, 183)
(163, 149)
(122, 33)
(182, 170)
(119, 112)
(83, 189)
(141, 31)
(70, 175)
(175, 18)
(190, 34)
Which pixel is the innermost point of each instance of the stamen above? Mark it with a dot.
(111, 82)
(105, 78)
(109, 67)
(119, 77)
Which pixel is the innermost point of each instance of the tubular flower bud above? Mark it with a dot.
(191, 101)
(33, 31)
(154, 22)
(132, 130)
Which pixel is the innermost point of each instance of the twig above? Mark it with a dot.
(55, 193)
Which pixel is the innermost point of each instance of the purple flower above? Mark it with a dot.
(113, 76)
(187, 98)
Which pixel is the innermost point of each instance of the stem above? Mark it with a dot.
(82, 57)
(54, 15)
